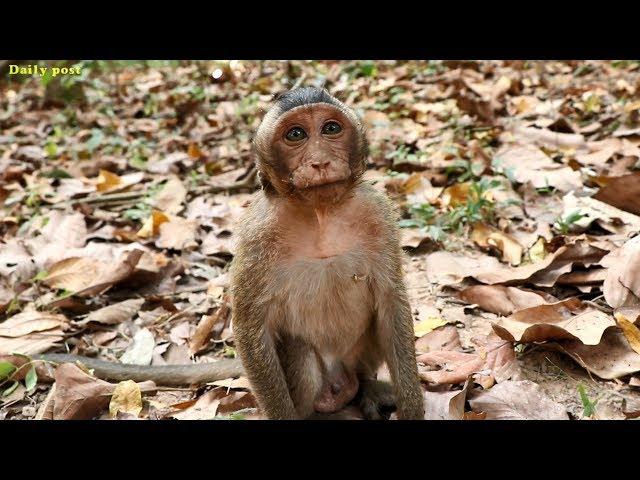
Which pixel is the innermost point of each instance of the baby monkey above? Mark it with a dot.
(319, 301)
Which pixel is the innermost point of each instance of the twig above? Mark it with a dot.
(107, 198)
(247, 182)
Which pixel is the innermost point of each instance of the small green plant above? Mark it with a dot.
(588, 405)
(478, 207)
(563, 224)
(7, 373)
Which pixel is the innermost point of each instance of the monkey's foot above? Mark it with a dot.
(376, 400)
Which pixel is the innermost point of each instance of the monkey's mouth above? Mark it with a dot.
(324, 185)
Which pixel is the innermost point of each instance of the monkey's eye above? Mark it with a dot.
(296, 134)
(331, 128)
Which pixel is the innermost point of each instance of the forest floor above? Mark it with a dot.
(518, 185)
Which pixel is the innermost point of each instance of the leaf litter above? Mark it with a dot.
(519, 209)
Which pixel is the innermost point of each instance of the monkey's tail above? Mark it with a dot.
(169, 375)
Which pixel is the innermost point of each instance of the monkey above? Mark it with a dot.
(318, 295)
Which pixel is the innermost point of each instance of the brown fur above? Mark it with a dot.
(317, 282)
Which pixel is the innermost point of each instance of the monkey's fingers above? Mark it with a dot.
(169, 375)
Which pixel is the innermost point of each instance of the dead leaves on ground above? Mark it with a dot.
(118, 230)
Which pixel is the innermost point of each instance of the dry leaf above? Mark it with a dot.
(31, 332)
(427, 325)
(205, 408)
(611, 358)
(630, 331)
(445, 405)
(621, 287)
(79, 396)
(517, 400)
(126, 398)
(530, 164)
(116, 313)
(622, 192)
(200, 337)
(87, 276)
(441, 338)
(171, 197)
(568, 319)
(151, 226)
(503, 300)
(454, 367)
(487, 236)
(141, 351)
(177, 233)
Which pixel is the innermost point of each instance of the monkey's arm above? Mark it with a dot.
(170, 375)
(396, 337)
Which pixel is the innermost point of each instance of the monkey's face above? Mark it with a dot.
(316, 151)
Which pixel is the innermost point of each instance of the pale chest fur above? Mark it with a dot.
(322, 289)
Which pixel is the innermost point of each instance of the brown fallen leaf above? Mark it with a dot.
(442, 338)
(567, 319)
(445, 405)
(79, 396)
(205, 408)
(530, 164)
(448, 268)
(517, 400)
(487, 236)
(240, 383)
(474, 416)
(630, 331)
(31, 332)
(110, 182)
(622, 192)
(454, 367)
(171, 197)
(611, 358)
(88, 276)
(114, 314)
(610, 218)
(200, 337)
(126, 398)
(236, 401)
(621, 287)
(213, 244)
(177, 233)
(45, 411)
(151, 226)
(503, 300)
(547, 138)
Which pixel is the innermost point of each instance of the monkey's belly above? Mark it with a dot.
(327, 302)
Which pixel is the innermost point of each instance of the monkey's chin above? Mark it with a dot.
(326, 193)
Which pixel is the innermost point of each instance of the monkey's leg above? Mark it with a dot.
(260, 360)
(303, 371)
(394, 326)
(375, 398)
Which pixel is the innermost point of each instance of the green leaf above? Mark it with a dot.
(6, 369)
(589, 406)
(10, 390)
(31, 379)
(40, 276)
(95, 140)
(57, 173)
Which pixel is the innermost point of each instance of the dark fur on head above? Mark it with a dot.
(287, 101)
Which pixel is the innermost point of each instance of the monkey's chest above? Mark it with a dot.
(328, 302)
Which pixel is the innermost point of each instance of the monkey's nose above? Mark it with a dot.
(320, 165)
